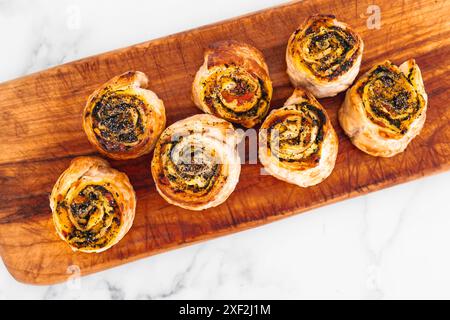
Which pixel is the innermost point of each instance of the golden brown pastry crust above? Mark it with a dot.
(323, 56)
(385, 109)
(233, 83)
(122, 119)
(195, 163)
(93, 205)
(298, 143)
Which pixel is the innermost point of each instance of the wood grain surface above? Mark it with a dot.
(41, 132)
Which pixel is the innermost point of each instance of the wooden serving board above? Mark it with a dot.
(41, 132)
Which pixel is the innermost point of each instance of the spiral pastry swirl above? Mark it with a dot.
(297, 142)
(195, 163)
(324, 56)
(385, 109)
(122, 119)
(93, 205)
(233, 83)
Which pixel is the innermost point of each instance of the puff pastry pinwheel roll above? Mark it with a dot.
(122, 119)
(233, 83)
(385, 109)
(196, 164)
(324, 56)
(92, 204)
(297, 142)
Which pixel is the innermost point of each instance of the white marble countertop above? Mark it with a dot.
(368, 247)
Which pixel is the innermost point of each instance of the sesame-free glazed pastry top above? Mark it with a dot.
(323, 56)
(233, 83)
(385, 109)
(196, 164)
(93, 205)
(298, 144)
(122, 119)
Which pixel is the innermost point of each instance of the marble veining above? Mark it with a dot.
(390, 244)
